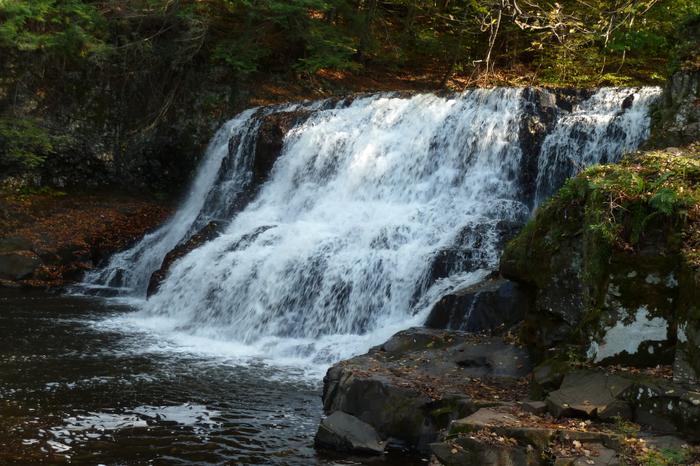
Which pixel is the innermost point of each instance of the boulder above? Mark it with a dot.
(467, 451)
(656, 403)
(16, 265)
(343, 432)
(486, 306)
(590, 394)
(534, 407)
(413, 385)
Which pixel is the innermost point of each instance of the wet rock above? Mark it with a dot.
(412, 386)
(487, 306)
(469, 250)
(343, 432)
(17, 265)
(271, 133)
(206, 234)
(627, 102)
(590, 394)
(539, 115)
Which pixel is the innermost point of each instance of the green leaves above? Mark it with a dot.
(69, 28)
(665, 200)
(24, 145)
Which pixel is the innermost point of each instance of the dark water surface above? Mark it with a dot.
(74, 393)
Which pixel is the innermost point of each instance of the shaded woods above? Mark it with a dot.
(94, 93)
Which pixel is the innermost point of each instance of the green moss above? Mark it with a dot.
(641, 215)
(666, 457)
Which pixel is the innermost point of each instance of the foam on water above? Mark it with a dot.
(336, 252)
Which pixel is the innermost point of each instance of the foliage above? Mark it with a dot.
(24, 145)
(570, 41)
(665, 457)
(126, 68)
(69, 29)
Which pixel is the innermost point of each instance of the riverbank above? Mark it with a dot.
(49, 240)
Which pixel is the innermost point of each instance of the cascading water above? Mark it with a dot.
(222, 178)
(343, 243)
(598, 131)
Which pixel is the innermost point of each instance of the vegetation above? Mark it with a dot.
(600, 238)
(135, 72)
(619, 203)
(661, 187)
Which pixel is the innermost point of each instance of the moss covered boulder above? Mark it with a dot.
(613, 260)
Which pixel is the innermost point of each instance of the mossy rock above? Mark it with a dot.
(609, 259)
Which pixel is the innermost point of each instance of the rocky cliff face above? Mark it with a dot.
(677, 116)
(612, 262)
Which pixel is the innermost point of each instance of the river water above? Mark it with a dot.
(76, 390)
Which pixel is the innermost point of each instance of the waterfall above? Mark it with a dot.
(598, 131)
(373, 210)
(223, 176)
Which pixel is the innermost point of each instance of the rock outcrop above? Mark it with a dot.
(612, 263)
(210, 231)
(677, 115)
(485, 307)
(417, 382)
(343, 432)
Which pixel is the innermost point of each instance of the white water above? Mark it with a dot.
(598, 131)
(335, 252)
(221, 178)
(132, 268)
